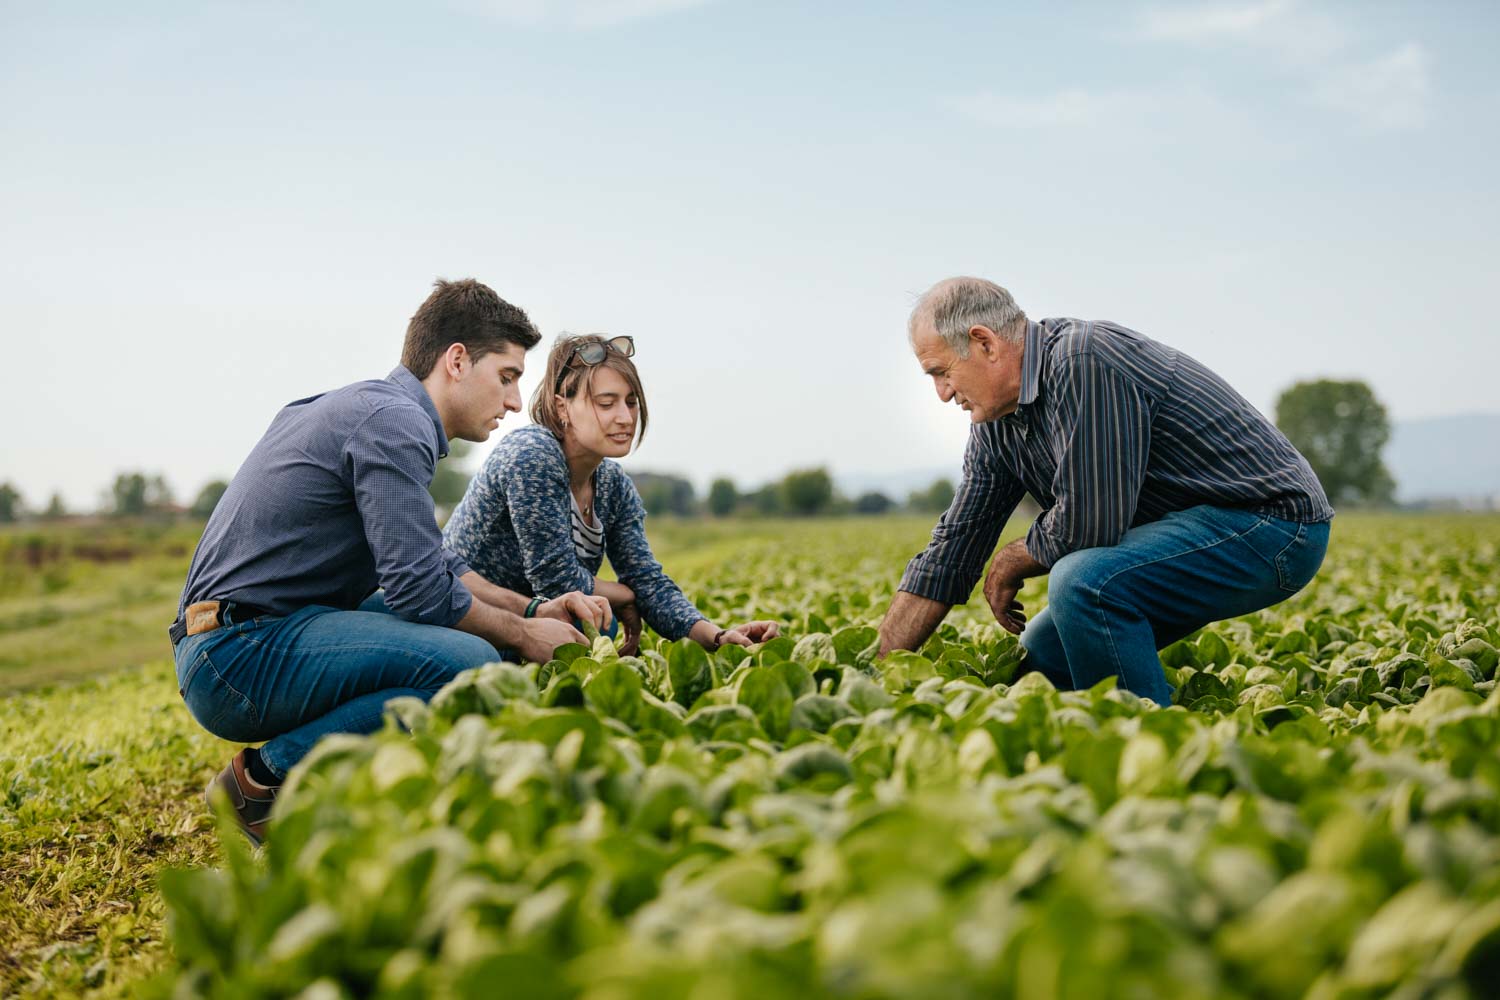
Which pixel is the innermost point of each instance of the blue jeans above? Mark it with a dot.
(1111, 608)
(291, 681)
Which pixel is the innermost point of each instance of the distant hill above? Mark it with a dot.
(1435, 458)
(1446, 457)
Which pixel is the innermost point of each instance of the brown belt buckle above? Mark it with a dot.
(202, 617)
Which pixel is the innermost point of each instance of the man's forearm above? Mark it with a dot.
(1015, 561)
(909, 621)
(495, 597)
(503, 629)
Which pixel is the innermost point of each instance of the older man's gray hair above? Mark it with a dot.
(956, 305)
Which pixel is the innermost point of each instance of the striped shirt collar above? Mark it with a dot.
(402, 378)
(1031, 364)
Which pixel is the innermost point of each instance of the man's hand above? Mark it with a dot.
(630, 626)
(542, 636)
(1012, 565)
(750, 633)
(578, 606)
(1000, 590)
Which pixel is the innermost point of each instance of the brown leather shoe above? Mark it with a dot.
(252, 801)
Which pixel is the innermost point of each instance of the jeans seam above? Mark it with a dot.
(1175, 555)
(1098, 592)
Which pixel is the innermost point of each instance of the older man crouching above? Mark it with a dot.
(1168, 501)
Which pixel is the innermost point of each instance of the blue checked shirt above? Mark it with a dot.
(1112, 430)
(331, 505)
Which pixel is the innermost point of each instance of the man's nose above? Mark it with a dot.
(513, 402)
(944, 390)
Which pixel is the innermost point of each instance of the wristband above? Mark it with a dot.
(536, 602)
(719, 639)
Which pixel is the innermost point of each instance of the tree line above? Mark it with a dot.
(1340, 426)
(132, 494)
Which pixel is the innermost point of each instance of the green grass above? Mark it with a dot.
(101, 779)
(100, 787)
(81, 599)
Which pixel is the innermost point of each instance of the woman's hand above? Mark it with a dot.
(630, 624)
(750, 633)
(578, 606)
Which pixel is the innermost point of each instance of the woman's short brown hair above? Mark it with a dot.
(566, 375)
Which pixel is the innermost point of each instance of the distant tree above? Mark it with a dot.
(873, 503)
(807, 491)
(10, 503)
(208, 498)
(767, 500)
(159, 498)
(451, 479)
(663, 493)
(722, 497)
(129, 495)
(1340, 427)
(55, 508)
(934, 499)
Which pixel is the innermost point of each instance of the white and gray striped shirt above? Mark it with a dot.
(1113, 430)
(588, 536)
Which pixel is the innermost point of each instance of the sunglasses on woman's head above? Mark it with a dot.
(593, 352)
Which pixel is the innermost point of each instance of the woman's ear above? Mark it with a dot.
(560, 407)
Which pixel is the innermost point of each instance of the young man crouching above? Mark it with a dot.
(321, 589)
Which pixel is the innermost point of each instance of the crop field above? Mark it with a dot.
(1319, 816)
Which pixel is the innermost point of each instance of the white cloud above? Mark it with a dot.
(1386, 94)
(1288, 30)
(1196, 24)
(580, 13)
(1311, 47)
(1120, 113)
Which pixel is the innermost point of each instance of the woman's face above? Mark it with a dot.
(602, 417)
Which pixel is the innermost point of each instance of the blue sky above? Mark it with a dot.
(213, 209)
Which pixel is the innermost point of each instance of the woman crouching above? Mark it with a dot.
(549, 504)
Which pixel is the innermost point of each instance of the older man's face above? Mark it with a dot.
(985, 385)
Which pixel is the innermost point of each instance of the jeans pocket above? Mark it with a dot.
(1299, 561)
(218, 706)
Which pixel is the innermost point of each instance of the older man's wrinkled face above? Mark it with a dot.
(986, 384)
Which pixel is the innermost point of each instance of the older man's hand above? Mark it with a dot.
(1000, 589)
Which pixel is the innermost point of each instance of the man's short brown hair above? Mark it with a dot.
(463, 312)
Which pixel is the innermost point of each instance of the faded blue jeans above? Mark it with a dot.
(291, 681)
(1110, 609)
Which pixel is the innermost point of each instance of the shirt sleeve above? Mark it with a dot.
(390, 459)
(536, 491)
(661, 602)
(456, 564)
(1104, 425)
(948, 568)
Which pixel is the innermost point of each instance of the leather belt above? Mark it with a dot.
(205, 616)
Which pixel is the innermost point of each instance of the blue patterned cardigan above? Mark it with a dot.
(514, 528)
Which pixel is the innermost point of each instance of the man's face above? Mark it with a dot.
(487, 390)
(986, 384)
